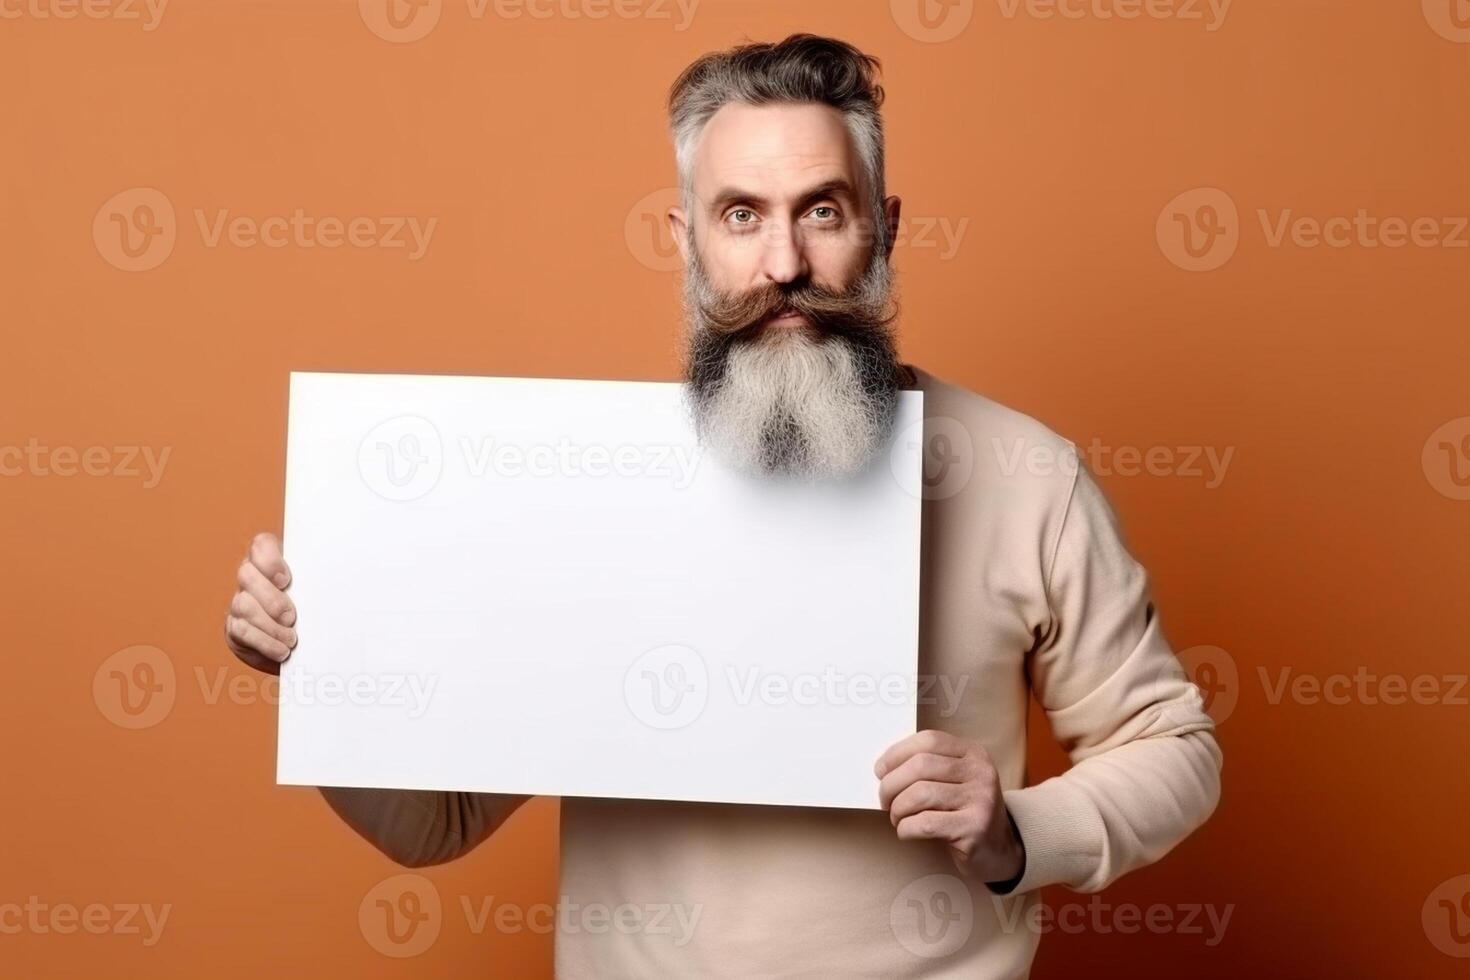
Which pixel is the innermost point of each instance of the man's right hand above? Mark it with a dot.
(259, 628)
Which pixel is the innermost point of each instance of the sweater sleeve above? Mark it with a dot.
(1145, 764)
(417, 828)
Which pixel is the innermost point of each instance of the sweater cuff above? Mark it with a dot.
(1062, 832)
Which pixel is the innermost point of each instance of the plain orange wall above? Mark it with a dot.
(1051, 146)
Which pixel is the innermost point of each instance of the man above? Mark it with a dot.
(786, 233)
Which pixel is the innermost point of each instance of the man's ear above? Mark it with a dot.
(891, 210)
(679, 228)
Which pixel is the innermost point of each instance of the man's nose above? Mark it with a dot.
(783, 255)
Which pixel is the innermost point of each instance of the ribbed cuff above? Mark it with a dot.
(1062, 832)
(1009, 885)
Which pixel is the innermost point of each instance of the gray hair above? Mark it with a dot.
(802, 68)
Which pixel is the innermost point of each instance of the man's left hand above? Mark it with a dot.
(937, 786)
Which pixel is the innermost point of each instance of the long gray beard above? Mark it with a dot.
(810, 403)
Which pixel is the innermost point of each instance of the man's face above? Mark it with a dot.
(791, 364)
(779, 195)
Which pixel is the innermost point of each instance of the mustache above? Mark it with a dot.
(739, 315)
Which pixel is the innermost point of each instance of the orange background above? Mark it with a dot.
(1331, 544)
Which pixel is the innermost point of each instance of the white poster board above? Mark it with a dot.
(545, 587)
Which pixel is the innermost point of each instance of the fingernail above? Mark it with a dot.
(291, 638)
(281, 580)
(288, 618)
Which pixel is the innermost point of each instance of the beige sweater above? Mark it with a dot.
(1026, 588)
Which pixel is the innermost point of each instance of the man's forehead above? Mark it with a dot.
(776, 149)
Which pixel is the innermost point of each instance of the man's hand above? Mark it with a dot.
(936, 786)
(259, 626)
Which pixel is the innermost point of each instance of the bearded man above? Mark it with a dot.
(786, 232)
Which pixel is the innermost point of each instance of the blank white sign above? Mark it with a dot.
(545, 587)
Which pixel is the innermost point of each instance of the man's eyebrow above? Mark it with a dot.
(836, 187)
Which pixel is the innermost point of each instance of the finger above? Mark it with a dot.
(253, 638)
(248, 608)
(277, 604)
(945, 825)
(248, 656)
(929, 740)
(265, 554)
(926, 795)
(925, 765)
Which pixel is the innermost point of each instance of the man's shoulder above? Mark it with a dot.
(1004, 442)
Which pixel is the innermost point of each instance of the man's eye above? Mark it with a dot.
(742, 216)
(824, 213)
